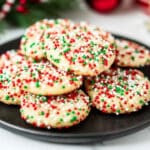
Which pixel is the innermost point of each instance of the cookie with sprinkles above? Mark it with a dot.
(13, 57)
(80, 47)
(119, 91)
(10, 86)
(55, 111)
(45, 79)
(131, 54)
(33, 43)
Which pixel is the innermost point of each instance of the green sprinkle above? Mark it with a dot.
(137, 92)
(44, 99)
(63, 87)
(108, 105)
(68, 114)
(74, 118)
(119, 90)
(26, 68)
(84, 63)
(106, 46)
(7, 97)
(45, 54)
(102, 100)
(51, 56)
(126, 46)
(92, 82)
(63, 39)
(92, 43)
(25, 87)
(120, 78)
(57, 60)
(103, 51)
(31, 117)
(25, 49)
(84, 57)
(32, 45)
(118, 111)
(61, 119)
(66, 50)
(114, 45)
(41, 27)
(42, 113)
(74, 79)
(68, 70)
(133, 58)
(48, 36)
(73, 112)
(37, 84)
(110, 87)
(137, 51)
(141, 102)
(73, 59)
(56, 21)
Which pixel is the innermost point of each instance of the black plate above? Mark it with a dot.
(97, 127)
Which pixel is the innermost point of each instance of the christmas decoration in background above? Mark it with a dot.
(25, 12)
(103, 6)
(145, 5)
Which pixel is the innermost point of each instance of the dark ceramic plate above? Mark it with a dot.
(97, 127)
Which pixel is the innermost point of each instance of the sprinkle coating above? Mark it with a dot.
(45, 79)
(33, 43)
(79, 47)
(130, 54)
(55, 111)
(10, 91)
(119, 90)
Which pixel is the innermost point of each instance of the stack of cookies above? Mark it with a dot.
(58, 57)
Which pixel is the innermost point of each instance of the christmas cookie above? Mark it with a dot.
(45, 79)
(130, 54)
(81, 48)
(55, 111)
(10, 86)
(33, 43)
(13, 57)
(119, 91)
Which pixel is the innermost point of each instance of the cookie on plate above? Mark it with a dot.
(131, 54)
(81, 48)
(43, 78)
(119, 90)
(10, 86)
(55, 111)
(13, 57)
(33, 43)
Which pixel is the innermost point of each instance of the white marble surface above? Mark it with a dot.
(125, 22)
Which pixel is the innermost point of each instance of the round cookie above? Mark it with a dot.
(13, 57)
(45, 79)
(33, 43)
(55, 111)
(131, 54)
(81, 48)
(10, 86)
(119, 91)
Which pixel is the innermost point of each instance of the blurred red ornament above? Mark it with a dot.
(145, 4)
(104, 6)
(22, 2)
(21, 9)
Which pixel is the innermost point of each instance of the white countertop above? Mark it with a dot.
(125, 22)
